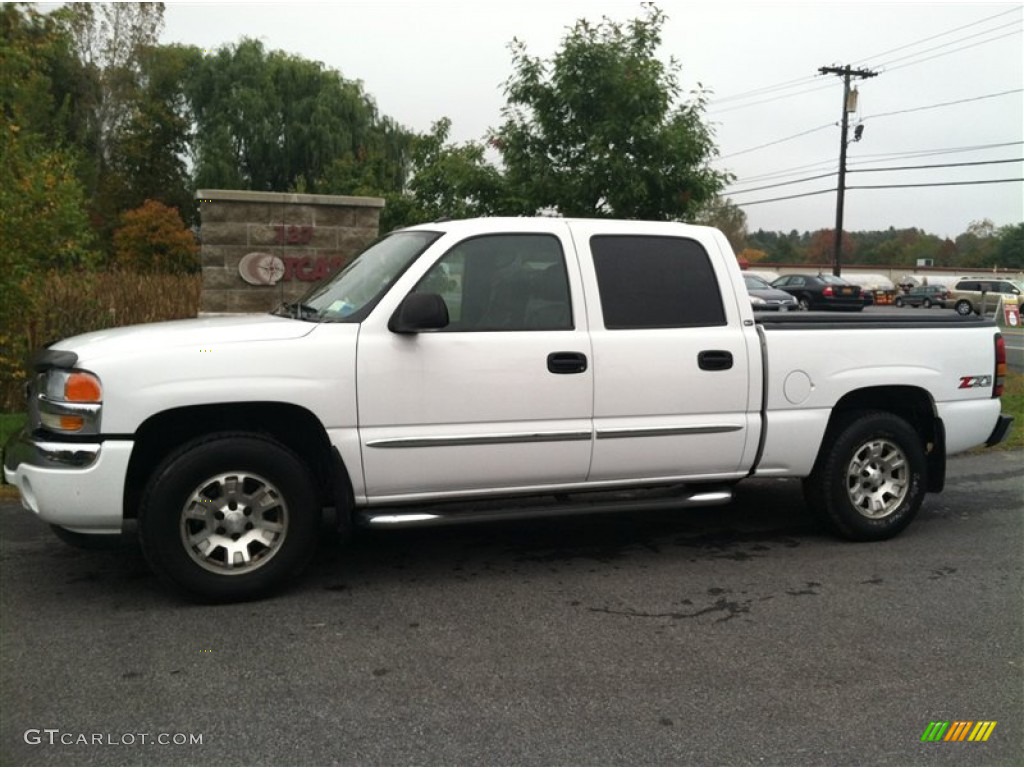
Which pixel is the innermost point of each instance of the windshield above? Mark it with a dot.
(350, 295)
(833, 280)
(755, 283)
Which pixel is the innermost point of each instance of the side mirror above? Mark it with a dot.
(419, 312)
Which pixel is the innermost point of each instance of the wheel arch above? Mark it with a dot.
(291, 425)
(915, 406)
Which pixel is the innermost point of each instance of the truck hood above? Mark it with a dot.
(201, 332)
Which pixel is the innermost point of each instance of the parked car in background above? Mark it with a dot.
(926, 296)
(967, 293)
(822, 292)
(764, 298)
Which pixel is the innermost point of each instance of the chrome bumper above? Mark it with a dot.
(22, 448)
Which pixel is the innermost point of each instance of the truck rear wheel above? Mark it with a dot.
(229, 517)
(869, 483)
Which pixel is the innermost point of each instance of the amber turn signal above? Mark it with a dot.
(72, 423)
(82, 388)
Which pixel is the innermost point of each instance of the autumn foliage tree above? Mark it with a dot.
(153, 238)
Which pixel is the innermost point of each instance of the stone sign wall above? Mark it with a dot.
(261, 248)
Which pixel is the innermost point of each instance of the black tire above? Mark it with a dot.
(927, 303)
(803, 304)
(94, 542)
(870, 477)
(963, 308)
(898, 301)
(239, 498)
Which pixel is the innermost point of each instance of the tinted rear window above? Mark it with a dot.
(655, 282)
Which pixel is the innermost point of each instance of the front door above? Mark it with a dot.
(501, 399)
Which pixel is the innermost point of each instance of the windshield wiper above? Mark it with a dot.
(297, 310)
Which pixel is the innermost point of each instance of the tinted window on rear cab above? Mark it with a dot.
(655, 282)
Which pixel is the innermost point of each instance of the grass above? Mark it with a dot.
(9, 424)
(1013, 404)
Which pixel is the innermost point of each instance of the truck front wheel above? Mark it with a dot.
(869, 483)
(229, 517)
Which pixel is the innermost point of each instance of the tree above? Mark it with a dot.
(110, 42)
(276, 122)
(153, 238)
(820, 249)
(597, 131)
(722, 213)
(43, 224)
(1009, 249)
(454, 180)
(975, 247)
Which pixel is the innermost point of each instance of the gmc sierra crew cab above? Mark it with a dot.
(463, 371)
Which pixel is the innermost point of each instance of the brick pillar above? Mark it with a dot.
(261, 248)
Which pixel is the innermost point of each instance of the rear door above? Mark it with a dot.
(672, 394)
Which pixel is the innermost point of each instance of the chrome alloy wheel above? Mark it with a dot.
(877, 478)
(234, 523)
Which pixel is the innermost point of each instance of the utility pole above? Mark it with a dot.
(846, 72)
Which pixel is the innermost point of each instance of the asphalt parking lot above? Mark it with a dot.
(736, 635)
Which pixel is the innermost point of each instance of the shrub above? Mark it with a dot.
(62, 304)
(153, 238)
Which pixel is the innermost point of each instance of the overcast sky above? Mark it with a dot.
(424, 60)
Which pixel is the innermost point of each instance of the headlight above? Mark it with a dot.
(757, 301)
(70, 401)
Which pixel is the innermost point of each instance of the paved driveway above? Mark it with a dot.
(738, 635)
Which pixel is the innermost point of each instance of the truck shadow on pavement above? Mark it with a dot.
(764, 516)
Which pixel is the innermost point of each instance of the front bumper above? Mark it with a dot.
(1002, 429)
(78, 486)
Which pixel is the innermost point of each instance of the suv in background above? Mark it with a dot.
(966, 294)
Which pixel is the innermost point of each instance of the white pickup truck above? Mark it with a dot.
(488, 369)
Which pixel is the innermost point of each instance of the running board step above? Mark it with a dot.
(486, 511)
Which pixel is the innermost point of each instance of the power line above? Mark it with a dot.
(955, 50)
(829, 165)
(883, 186)
(943, 104)
(809, 79)
(938, 184)
(937, 151)
(951, 42)
(788, 197)
(940, 34)
(777, 141)
(766, 101)
(782, 184)
(766, 89)
(938, 165)
(733, 192)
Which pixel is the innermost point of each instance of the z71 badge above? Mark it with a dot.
(971, 382)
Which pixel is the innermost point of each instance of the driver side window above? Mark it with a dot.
(512, 282)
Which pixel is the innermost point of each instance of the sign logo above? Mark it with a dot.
(261, 268)
(958, 730)
(973, 382)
